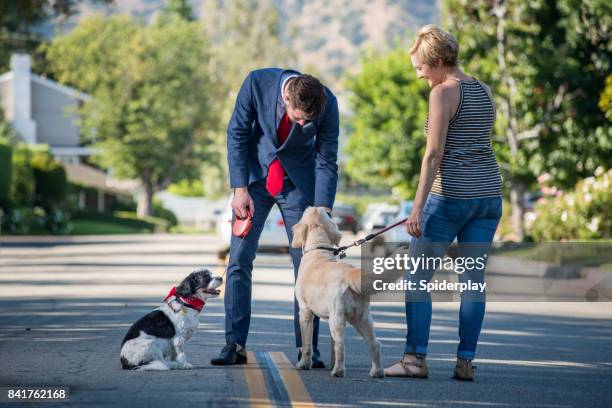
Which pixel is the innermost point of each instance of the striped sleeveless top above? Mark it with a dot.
(468, 168)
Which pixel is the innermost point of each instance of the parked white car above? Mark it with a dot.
(273, 236)
(399, 234)
(378, 216)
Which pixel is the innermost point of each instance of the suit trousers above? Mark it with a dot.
(238, 283)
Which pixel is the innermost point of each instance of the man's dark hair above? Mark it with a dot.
(307, 94)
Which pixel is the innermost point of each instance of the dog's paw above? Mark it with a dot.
(186, 366)
(337, 372)
(303, 364)
(377, 373)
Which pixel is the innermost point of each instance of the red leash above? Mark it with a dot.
(341, 251)
(241, 228)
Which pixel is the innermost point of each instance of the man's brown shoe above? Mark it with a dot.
(411, 365)
(464, 370)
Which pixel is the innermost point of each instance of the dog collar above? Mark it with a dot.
(190, 301)
(334, 250)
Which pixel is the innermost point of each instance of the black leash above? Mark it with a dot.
(341, 251)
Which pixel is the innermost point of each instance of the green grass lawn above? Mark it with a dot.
(183, 229)
(93, 227)
(84, 222)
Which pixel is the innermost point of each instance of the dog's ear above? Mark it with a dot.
(201, 279)
(334, 234)
(330, 227)
(300, 230)
(187, 286)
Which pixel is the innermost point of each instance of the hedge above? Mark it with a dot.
(125, 218)
(6, 172)
(22, 183)
(160, 212)
(51, 183)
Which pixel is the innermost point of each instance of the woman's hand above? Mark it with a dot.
(413, 223)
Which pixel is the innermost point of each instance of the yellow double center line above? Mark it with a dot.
(272, 380)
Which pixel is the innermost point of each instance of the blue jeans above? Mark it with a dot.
(443, 220)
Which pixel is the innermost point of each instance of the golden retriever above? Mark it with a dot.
(331, 290)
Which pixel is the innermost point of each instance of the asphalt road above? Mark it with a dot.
(66, 304)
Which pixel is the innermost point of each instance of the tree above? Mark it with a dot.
(153, 111)
(7, 139)
(605, 101)
(389, 109)
(546, 61)
(245, 36)
(19, 18)
(7, 134)
(6, 174)
(179, 8)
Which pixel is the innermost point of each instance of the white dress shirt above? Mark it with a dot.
(280, 103)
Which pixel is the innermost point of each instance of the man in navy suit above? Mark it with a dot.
(282, 148)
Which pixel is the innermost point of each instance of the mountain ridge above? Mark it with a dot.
(327, 36)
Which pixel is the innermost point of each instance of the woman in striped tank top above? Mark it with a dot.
(458, 197)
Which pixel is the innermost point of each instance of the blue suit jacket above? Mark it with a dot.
(309, 155)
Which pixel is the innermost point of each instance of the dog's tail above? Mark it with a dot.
(154, 366)
(353, 279)
(126, 365)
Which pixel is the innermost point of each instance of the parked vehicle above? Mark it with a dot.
(345, 216)
(377, 216)
(399, 234)
(273, 236)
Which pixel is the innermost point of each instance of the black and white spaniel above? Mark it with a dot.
(155, 341)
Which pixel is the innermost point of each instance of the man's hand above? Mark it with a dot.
(242, 203)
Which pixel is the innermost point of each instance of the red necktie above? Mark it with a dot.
(274, 182)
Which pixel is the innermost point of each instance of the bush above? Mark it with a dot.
(6, 171)
(19, 221)
(6, 131)
(160, 212)
(123, 204)
(51, 183)
(36, 221)
(158, 224)
(124, 218)
(584, 213)
(505, 231)
(22, 181)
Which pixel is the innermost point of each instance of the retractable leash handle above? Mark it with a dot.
(242, 226)
(240, 229)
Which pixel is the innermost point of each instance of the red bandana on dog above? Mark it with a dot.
(189, 301)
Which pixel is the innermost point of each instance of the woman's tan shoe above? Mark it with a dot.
(410, 365)
(464, 370)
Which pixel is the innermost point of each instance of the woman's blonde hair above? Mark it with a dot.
(433, 44)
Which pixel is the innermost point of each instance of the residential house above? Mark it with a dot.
(43, 111)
